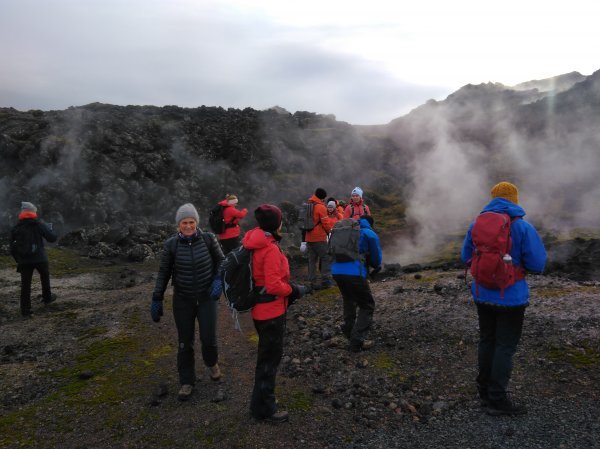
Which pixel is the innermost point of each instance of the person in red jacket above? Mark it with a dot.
(271, 274)
(316, 242)
(230, 239)
(333, 212)
(357, 207)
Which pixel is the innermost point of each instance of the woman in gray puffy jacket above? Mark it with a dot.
(191, 258)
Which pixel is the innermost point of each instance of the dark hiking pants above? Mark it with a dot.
(186, 312)
(318, 258)
(26, 271)
(499, 335)
(229, 245)
(270, 350)
(356, 294)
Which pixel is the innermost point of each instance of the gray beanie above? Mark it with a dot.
(28, 206)
(187, 211)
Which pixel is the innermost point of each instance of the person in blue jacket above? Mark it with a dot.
(351, 278)
(501, 312)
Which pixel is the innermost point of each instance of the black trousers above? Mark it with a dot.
(270, 350)
(26, 271)
(186, 312)
(356, 294)
(499, 334)
(229, 245)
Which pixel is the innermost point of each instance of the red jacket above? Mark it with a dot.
(360, 209)
(321, 220)
(334, 217)
(231, 216)
(270, 269)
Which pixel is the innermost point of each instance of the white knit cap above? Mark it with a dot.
(28, 206)
(358, 191)
(331, 204)
(187, 211)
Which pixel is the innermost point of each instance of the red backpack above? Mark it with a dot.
(491, 264)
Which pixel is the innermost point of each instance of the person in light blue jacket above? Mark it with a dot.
(501, 312)
(351, 278)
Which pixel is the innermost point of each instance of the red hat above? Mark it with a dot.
(268, 217)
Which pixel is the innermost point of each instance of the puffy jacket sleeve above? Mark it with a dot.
(165, 269)
(276, 280)
(320, 216)
(375, 256)
(216, 252)
(46, 232)
(466, 252)
(533, 254)
(239, 214)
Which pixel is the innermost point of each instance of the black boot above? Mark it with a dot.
(505, 406)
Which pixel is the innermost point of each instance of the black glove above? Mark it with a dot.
(375, 271)
(298, 291)
(156, 310)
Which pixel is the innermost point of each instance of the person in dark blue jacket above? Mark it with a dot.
(501, 312)
(351, 278)
(31, 232)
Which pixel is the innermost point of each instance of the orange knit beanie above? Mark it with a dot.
(507, 191)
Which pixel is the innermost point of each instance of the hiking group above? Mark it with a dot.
(253, 273)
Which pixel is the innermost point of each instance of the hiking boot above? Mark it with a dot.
(185, 392)
(327, 283)
(48, 301)
(215, 372)
(278, 417)
(367, 344)
(357, 346)
(505, 406)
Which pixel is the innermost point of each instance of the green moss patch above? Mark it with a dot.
(580, 357)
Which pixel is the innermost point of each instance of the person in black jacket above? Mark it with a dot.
(192, 258)
(27, 248)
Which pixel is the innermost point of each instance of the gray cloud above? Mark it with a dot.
(67, 53)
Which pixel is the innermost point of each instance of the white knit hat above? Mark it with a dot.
(331, 204)
(187, 211)
(358, 191)
(28, 206)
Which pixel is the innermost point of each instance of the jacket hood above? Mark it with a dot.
(504, 206)
(315, 199)
(224, 203)
(257, 238)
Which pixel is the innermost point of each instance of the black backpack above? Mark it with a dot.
(305, 217)
(238, 284)
(215, 219)
(25, 240)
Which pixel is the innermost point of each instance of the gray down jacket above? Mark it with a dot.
(192, 264)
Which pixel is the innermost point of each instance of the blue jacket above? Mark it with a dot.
(527, 251)
(368, 245)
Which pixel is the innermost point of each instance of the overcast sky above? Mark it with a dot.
(366, 61)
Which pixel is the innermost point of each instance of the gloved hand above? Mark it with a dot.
(156, 310)
(303, 247)
(298, 291)
(216, 288)
(375, 271)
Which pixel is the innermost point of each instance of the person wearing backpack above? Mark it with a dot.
(271, 274)
(230, 237)
(501, 308)
(316, 242)
(356, 208)
(191, 258)
(350, 270)
(27, 248)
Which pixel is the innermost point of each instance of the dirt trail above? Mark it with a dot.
(91, 370)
